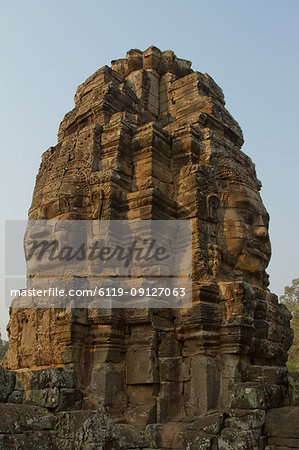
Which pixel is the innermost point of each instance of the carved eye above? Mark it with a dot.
(248, 217)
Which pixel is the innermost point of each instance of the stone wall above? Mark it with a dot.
(37, 413)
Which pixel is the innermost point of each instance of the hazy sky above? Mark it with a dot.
(250, 49)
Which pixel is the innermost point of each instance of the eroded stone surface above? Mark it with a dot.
(7, 383)
(149, 138)
(293, 381)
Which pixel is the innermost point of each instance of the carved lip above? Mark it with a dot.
(256, 248)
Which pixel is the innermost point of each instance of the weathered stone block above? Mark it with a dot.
(132, 437)
(9, 419)
(141, 415)
(170, 409)
(283, 422)
(87, 429)
(171, 389)
(171, 435)
(169, 345)
(245, 420)
(47, 398)
(293, 381)
(141, 367)
(56, 377)
(16, 397)
(231, 438)
(250, 396)
(267, 374)
(142, 394)
(7, 383)
(20, 418)
(69, 399)
(202, 394)
(277, 443)
(211, 423)
(107, 386)
(141, 408)
(174, 369)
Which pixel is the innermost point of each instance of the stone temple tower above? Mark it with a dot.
(149, 138)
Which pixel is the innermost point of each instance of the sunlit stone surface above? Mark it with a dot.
(149, 138)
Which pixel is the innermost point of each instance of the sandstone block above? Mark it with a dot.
(267, 374)
(245, 420)
(169, 345)
(250, 396)
(20, 418)
(57, 377)
(16, 397)
(141, 367)
(211, 423)
(170, 409)
(7, 383)
(293, 381)
(174, 369)
(107, 386)
(277, 443)
(87, 429)
(69, 399)
(132, 437)
(246, 440)
(202, 393)
(47, 398)
(283, 422)
(141, 415)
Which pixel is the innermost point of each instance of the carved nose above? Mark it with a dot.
(261, 233)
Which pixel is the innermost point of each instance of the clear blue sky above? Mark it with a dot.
(250, 49)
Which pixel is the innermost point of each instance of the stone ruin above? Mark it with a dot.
(149, 138)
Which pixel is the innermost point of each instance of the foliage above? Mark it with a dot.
(291, 300)
(3, 348)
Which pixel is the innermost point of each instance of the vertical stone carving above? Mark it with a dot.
(149, 138)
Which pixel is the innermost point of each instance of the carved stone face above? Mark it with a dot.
(243, 236)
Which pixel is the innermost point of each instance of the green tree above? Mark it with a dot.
(291, 300)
